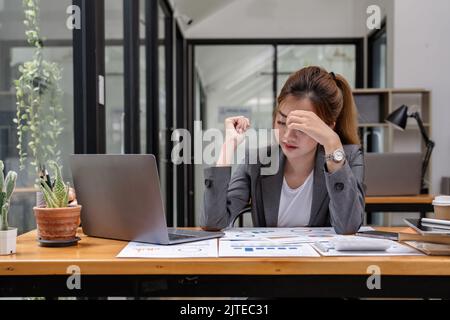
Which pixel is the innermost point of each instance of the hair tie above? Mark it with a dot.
(333, 75)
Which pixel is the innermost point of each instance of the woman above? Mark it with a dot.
(320, 177)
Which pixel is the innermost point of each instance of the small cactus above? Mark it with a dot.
(6, 190)
(56, 195)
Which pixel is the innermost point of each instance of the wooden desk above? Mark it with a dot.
(38, 271)
(418, 203)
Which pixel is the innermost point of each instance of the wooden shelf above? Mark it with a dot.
(391, 90)
(378, 124)
(374, 105)
(410, 91)
(25, 190)
(370, 91)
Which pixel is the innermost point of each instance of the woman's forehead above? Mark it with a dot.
(292, 103)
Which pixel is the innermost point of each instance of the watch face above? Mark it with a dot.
(338, 155)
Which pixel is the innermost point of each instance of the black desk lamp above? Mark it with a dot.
(398, 118)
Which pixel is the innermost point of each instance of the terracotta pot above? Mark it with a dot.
(57, 223)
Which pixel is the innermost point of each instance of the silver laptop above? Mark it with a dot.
(392, 174)
(121, 199)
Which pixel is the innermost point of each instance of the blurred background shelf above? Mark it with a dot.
(373, 106)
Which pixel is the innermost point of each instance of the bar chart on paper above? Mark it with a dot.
(229, 248)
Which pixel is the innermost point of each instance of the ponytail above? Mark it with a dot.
(346, 123)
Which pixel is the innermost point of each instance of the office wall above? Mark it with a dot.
(421, 59)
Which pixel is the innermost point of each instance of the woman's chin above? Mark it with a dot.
(297, 152)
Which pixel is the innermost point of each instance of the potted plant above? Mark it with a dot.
(7, 235)
(39, 113)
(58, 220)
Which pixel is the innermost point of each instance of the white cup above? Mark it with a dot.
(442, 207)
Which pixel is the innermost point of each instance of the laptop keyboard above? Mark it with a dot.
(177, 236)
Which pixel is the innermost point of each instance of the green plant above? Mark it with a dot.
(6, 190)
(56, 195)
(39, 114)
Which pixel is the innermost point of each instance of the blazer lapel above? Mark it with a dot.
(319, 186)
(271, 191)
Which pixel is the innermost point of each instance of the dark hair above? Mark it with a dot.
(331, 96)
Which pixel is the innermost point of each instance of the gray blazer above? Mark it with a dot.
(338, 198)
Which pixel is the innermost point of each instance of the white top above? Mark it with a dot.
(295, 204)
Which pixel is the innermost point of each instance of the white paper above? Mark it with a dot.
(365, 228)
(265, 249)
(326, 248)
(264, 234)
(197, 249)
(300, 234)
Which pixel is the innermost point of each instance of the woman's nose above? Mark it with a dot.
(290, 134)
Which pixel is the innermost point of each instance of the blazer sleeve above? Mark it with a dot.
(225, 195)
(347, 197)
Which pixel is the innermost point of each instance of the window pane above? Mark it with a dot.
(14, 51)
(114, 82)
(378, 53)
(114, 77)
(337, 58)
(241, 84)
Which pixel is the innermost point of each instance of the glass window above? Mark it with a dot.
(232, 80)
(337, 58)
(239, 80)
(240, 84)
(114, 77)
(14, 51)
(114, 81)
(114, 99)
(377, 59)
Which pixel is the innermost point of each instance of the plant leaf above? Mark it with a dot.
(10, 183)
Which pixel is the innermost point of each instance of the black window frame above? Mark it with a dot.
(89, 63)
(371, 38)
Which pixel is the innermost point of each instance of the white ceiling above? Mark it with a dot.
(197, 10)
(272, 18)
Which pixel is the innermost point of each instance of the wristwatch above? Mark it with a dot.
(337, 156)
